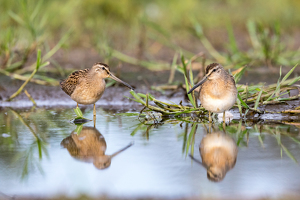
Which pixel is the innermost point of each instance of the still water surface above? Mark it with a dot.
(41, 155)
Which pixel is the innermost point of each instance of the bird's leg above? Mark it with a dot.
(94, 119)
(94, 110)
(224, 122)
(209, 116)
(77, 106)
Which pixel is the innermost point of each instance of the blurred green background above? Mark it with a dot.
(149, 33)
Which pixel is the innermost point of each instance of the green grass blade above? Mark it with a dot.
(193, 131)
(288, 74)
(17, 18)
(232, 40)
(239, 106)
(242, 102)
(288, 153)
(238, 76)
(295, 140)
(261, 141)
(253, 34)
(38, 60)
(258, 99)
(187, 82)
(137, 97)
(78, 112)
(78, 129)
(136, 129)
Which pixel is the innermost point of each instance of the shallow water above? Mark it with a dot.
(33, 161)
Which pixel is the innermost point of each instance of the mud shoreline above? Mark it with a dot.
(114, 98)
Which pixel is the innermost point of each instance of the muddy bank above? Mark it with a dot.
(114, 98)
(50, 96)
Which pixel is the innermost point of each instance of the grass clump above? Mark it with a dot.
(250, 98)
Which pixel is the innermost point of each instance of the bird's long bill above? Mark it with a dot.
(198, 84)
(121, 150)
(119, 80)
(198, 161)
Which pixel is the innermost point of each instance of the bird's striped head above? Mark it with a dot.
(212, 71)
(102, 71)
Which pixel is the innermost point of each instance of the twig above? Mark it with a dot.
(38, 64)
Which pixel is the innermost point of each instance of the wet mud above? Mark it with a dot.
(114, 97)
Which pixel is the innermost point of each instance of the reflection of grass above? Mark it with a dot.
(242, 135)
(237, 130)
(28, 155)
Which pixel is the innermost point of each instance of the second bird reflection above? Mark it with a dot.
(89, 146)
(218, 152)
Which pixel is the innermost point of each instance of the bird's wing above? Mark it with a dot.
(68, 85)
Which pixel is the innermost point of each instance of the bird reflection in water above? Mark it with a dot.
(89, 146)
(218, 152)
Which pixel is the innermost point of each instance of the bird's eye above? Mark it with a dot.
(214, 70)
(103, 68)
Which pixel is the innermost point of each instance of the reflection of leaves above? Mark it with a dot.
(78, 129)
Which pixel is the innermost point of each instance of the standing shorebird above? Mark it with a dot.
(87, 86)
(218, 92)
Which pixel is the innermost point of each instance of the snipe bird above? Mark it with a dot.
(87, 86)
(218, 152)
(90, 146)
(218, 92)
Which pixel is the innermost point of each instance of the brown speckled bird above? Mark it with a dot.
(89, 146)
(87, 86)
(218, 152)
(218, 92)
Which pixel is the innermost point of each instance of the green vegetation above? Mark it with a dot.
(253, 94)
(147, 33)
